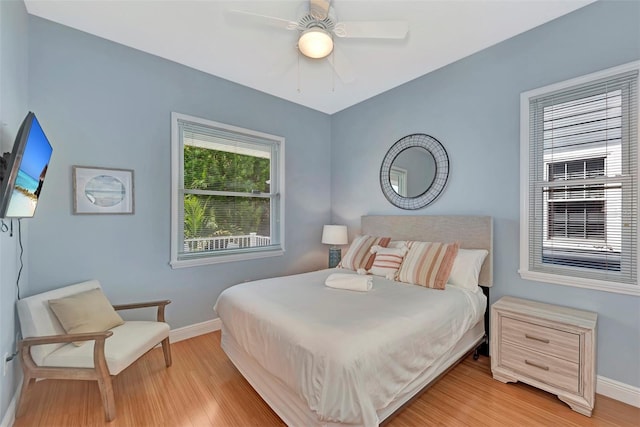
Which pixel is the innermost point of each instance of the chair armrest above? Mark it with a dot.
(65, 338)
(99, 359)
(160, 304)
(141, 305)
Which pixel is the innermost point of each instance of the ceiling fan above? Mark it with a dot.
(318, 27)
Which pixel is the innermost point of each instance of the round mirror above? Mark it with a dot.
(414, 171)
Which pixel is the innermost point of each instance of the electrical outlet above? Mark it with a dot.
(5, 362)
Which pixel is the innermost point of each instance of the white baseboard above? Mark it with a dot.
(619, 391)
(10, 415)
(194, 330)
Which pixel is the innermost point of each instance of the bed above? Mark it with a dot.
(330, 357)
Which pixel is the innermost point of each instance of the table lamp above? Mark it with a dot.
(334, 235)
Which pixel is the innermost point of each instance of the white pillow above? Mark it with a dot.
(466, 268)
(397, 244)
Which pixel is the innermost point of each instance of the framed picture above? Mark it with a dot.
(102, 190)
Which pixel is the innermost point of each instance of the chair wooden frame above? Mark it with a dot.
(99, 373)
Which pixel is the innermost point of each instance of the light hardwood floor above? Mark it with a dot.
(203, 388)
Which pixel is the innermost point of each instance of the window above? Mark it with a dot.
(398, 178)
(579, 181)
(227, 193)
(576, 212)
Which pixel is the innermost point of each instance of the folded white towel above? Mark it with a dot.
(350, 282)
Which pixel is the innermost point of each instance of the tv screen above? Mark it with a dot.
(24, 170)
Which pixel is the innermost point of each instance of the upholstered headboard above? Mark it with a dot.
(472, 232)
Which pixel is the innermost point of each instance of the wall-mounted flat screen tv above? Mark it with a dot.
(24, 170)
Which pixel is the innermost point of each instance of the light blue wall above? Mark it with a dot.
(103, 104)
(472, 108)
(13, 108)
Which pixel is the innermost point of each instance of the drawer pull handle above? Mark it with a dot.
(546, 368)
(531, 337)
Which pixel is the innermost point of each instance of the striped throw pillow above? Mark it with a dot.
(428, 264)
(387, 261)
(358, 255)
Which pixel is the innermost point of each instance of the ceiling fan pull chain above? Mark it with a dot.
(333, 73)
(298, 71)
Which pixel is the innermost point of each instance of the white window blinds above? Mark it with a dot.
(228, 192)
(582, 187)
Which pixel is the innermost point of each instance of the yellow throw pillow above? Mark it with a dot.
(88, 311)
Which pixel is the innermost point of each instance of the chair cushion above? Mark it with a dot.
(88, 311)
(129, 341)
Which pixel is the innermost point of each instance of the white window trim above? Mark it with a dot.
(176, 179)
(525, 273)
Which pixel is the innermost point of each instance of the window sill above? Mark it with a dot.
(578, 282)
(219, 259)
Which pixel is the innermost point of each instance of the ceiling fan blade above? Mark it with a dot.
(372, 29)
(255, 18)
(319, 9)
(341, 65)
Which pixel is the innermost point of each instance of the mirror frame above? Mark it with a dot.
(438, 152)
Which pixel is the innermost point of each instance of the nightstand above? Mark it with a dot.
(547, 346)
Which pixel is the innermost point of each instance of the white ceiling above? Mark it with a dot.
(204, 36)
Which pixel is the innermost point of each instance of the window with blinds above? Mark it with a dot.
(227, 195)
(579, 181)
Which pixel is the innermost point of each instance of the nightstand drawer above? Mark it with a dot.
(547, 369)
(553, 342)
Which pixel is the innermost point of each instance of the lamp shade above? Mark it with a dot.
(335, 235)
(315, 43)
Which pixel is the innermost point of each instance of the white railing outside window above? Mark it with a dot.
(202, 244)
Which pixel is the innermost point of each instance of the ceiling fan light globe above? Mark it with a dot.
(315, 43)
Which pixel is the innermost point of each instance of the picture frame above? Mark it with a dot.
(98, 190)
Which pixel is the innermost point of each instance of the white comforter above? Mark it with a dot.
(347, 354)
